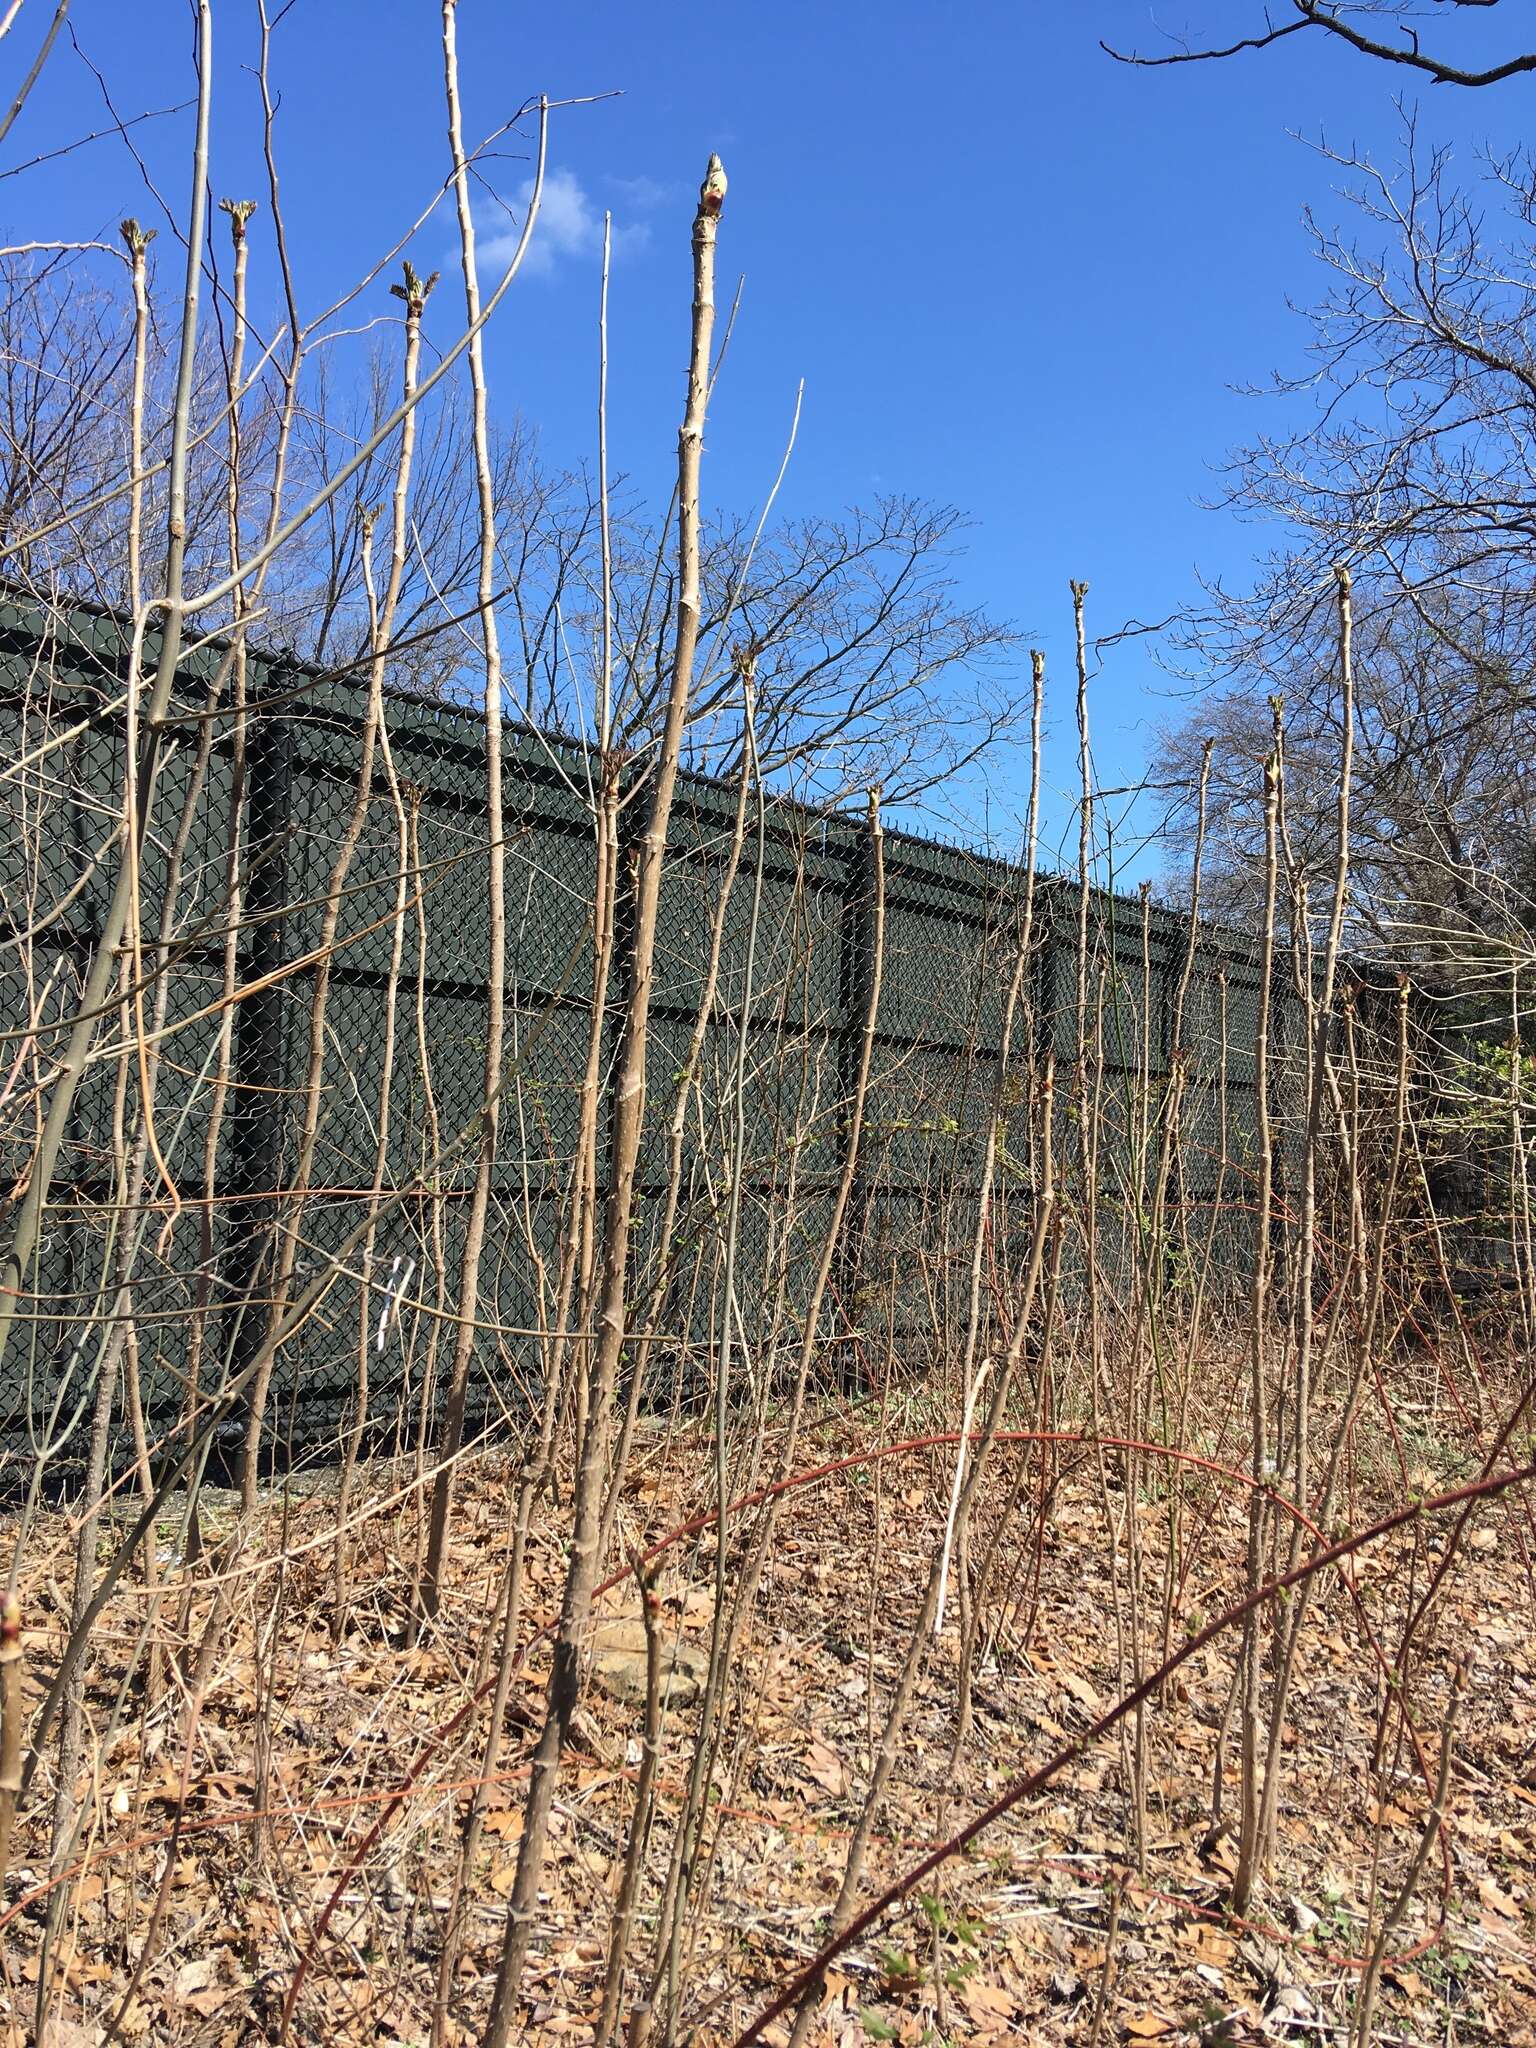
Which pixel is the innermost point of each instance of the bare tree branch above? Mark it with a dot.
(1333, 19)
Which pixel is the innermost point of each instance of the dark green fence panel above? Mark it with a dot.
(407, 996)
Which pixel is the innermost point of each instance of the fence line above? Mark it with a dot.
(278, 785)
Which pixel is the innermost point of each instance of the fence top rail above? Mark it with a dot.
(99, 637)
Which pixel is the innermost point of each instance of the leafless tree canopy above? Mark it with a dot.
(1413, 462)
(851, 622)
(1444, 785)
(852, 618)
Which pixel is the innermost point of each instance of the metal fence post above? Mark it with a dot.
(856, 967)
(260, 1065)
(619, 994)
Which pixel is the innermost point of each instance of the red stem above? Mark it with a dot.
(1031, 1782)
(679, 1535)
(692, 1528)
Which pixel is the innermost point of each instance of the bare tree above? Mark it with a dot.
(854, 619)
(1414, 465)
(1444, 782)
(853, 622)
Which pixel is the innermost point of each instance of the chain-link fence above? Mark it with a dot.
(309, 943)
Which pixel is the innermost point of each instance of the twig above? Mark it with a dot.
(1432, 1826)
(10, 1724)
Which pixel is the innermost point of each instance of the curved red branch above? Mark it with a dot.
(1032, 1782)
(693, 1527)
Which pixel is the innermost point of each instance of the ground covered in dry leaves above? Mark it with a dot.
(204, 1873)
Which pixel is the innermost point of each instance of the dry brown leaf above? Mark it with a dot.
(826, 1766)
(1148, 2026)
(1082, 1691)
(1497, 1901)
(1209, 1944)
(196, 1975)
(986, 2001)
(1385, 1814)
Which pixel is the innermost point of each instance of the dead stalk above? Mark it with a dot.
(25, 1228)
(413, 293)
(917, 1646)
(1434, 1822)
(1259, 1338)
(496, 861)
(640, 1815)
(286, 1250)
(629, 1102)
(11, 1713)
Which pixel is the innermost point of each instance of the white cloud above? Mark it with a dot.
(569, 228)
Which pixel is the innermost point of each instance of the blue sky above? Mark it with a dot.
(1015, 275)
